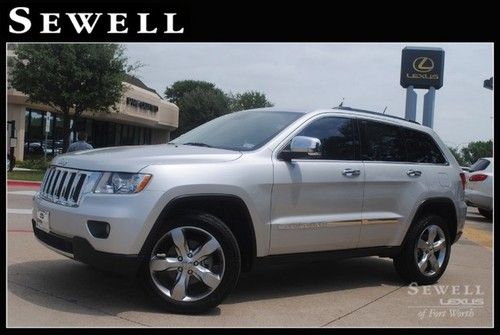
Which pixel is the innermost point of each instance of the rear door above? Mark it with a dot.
(392, 184)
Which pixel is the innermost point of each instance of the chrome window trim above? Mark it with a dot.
(406, 163)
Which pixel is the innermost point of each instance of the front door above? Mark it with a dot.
(317, 201)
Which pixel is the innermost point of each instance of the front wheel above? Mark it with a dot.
(425, 252)
(193, 264)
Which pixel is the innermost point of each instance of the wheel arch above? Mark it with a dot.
(441, 206)
(231, 209)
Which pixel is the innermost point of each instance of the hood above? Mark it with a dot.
(134, 158)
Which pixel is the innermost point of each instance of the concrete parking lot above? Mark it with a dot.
(46, 289)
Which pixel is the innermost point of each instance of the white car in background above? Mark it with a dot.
(479, 187)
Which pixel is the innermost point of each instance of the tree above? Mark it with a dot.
(458, 156)
(475, 150)
(178, 89)
(199, 106)
(201, 101)
(71, 77)
(249, 100)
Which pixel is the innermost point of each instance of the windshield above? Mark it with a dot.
(242, 131)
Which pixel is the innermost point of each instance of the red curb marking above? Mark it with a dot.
(22, 183)
(19, 231)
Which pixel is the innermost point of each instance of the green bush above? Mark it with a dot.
(33, 164)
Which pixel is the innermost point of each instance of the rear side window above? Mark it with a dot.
(480, 165)
(336, 135)
(421, 148)
(381, 142)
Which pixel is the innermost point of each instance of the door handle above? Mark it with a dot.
(413, 173)
(351, 173)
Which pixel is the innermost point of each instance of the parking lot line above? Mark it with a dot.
(26, 211)
(479, 236)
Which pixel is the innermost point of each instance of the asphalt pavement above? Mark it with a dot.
(46, 289)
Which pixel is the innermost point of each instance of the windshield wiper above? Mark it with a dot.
(198, 144)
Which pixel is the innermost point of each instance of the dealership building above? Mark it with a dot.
(143, 117)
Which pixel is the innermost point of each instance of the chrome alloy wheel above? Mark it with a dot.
(430, 250)
(187, 264)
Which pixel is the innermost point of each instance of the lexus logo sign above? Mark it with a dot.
(422, 67)
(423, 64)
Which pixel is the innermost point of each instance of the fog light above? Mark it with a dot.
(99, 229)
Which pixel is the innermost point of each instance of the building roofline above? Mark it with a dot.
(132, 80)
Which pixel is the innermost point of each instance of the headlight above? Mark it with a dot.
(122, 183)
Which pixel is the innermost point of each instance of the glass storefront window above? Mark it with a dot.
(35, 143)
(147, 136)
(141, 136)
(118, 133)
(100, 134)
(34, 137)
(110, 134)
(123, 140)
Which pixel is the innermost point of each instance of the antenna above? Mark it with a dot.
(341, 102)
(384, 110)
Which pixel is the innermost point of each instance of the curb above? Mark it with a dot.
(23, 183)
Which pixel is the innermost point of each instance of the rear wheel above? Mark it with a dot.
(425, 252)
(486, 213)
(193, 264)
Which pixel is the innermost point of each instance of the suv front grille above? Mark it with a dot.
(63, 186)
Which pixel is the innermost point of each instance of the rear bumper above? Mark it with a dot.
(80, 249)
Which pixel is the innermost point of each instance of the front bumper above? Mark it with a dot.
(81, 250)
(129, 217)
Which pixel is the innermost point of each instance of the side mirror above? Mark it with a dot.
(302, 146)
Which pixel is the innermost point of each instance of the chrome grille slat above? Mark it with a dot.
(57, 183)
(73, 186)
(54, 182)
(79, 188)
(46, 182)
(63, 185)
(70, 181)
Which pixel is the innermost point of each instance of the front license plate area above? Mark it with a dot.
(42, 220)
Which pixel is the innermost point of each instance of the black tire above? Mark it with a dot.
(406, 262)
(232, 264)
(486, 213)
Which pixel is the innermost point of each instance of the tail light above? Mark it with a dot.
(462, 178)
(478, 177)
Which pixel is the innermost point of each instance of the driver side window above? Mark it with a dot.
(336, 135)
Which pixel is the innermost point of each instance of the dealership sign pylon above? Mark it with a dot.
(421, 68)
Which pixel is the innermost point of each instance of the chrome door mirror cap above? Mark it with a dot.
(304, 144)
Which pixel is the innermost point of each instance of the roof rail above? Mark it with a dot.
(372, 113)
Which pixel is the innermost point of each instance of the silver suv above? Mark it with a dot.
(253, 186)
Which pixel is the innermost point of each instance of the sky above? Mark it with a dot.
(320, 75)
